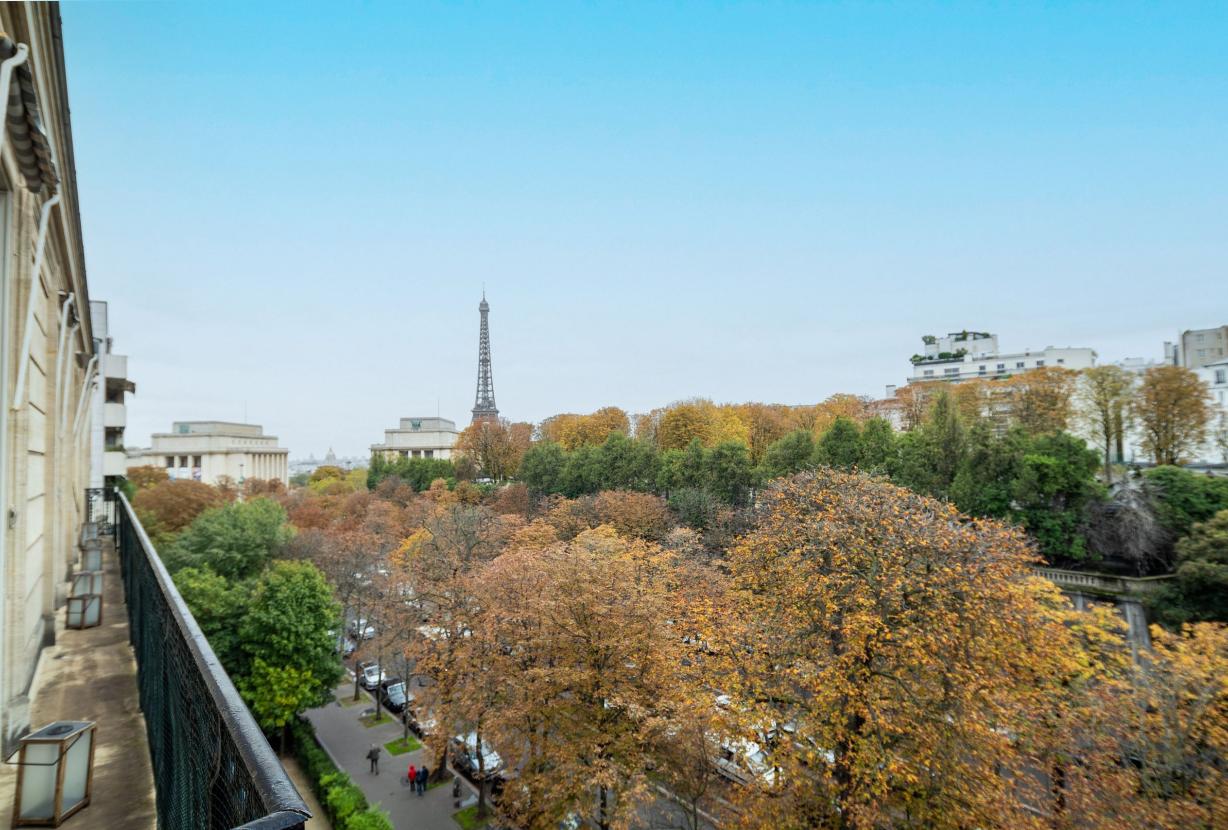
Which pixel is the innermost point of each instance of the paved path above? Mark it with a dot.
(347, 740)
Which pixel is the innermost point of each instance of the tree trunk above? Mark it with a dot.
(1108, 469)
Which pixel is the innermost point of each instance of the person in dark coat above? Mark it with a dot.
(373, 757)
(423, 774)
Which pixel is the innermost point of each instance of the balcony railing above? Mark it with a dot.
(213, 767)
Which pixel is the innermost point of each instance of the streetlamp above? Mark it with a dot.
(55, 773)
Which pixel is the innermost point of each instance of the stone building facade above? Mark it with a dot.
(209, 451)
(48, 362)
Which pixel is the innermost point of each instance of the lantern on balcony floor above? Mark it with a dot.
(55, 773)
(91, 555)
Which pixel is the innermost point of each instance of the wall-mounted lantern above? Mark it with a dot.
(55, 773)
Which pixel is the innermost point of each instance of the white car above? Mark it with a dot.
(371, 676)
(744, 761)
(465, 754)
(361, 629)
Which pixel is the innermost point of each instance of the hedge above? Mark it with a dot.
(346, 805)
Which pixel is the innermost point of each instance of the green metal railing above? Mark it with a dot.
(213, 768)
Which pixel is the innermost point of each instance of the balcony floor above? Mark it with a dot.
(91, 675)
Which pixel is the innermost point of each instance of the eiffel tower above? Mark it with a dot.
(484, 408)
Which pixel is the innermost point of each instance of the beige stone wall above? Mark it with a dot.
(45, 449)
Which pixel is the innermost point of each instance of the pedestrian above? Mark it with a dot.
(423, 774)
(412, 777)
(373, 757)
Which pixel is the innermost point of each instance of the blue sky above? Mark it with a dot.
(293, 208)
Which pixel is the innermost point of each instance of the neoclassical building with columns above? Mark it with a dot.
(211, 450)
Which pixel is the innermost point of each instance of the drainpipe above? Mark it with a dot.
(23, 364)
(86, 385)
(6, 78)
(66, 333)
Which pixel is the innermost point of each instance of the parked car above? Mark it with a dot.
(421, 722)
(394, 696)
(361, 629)
(465, 756)
(370, 675)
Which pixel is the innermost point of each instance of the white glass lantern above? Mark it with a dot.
(86, 582)
(91, 555)
(55, 773)
(84, 612)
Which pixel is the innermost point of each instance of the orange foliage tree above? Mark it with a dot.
(885, 650)
(1172, 408)
(496, 447)
(576, 643)
(1040, 399)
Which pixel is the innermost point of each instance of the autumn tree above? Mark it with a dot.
(146, 476)
(588, 672)
(496, 447)
(1172, 407)
(437, 563)
(571, 431)
(1151, 737)
(914, 402)
(1102, 400)
(634, 515)
(165, 509)
(898, 643)
(765, 424)
(684, 422)
(1040, 399)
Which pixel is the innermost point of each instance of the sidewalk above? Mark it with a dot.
(347, 740)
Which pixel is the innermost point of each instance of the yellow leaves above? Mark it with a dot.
(411, 547)
(572, 431)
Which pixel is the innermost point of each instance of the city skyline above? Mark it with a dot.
(736, 203)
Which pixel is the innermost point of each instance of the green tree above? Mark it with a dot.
(682, 468)
(277, 695)
(696, 507)
(788, 455)
(236, 540)
(1057, 479)
(542, 467)
(287, 626)
(582, 471)
(1184, 498)
(1199, 593)
(628, 464)
(876, 448)
(932, 454)
(728, 473)
(985, 483)
(840, 446)
(218, 606)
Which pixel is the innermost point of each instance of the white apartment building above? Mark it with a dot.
(1215, 376)
(108, 460)
(418, 438)
(210, 450)
(1200, 347)
(967, 355)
